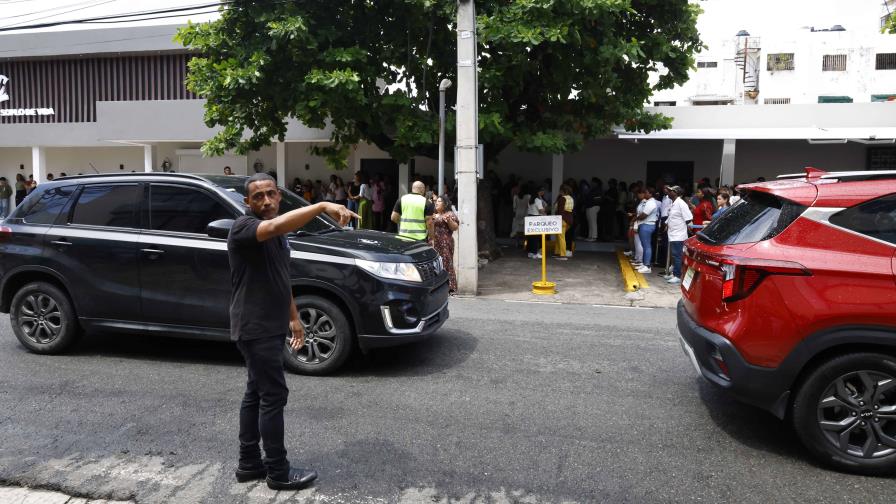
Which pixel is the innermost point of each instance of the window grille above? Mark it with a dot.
(885, 61)
(833, 63)
(780, 61)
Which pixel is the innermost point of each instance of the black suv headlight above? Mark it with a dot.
(396, 271)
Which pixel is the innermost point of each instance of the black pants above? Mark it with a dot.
(261, 413)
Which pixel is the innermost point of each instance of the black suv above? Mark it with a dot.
(147, 253)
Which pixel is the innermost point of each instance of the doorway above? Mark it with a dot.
(671, 172)
(387, 169)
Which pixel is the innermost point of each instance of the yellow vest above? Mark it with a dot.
(413, 217)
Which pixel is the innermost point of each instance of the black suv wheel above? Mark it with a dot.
(43, 318)
(845, 413)
(328, 338)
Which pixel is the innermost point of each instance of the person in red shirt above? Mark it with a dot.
(703, 210)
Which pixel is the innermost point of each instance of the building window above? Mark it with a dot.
(885, 61)
(777, 101)
(780, 61)
(833, 63)
(834, 99)
(664, 103)
(707, 64)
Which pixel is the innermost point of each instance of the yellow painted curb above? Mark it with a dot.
(631, 279)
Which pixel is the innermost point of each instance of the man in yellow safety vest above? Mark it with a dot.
(413, 213)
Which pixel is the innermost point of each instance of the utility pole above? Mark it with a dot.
(467, 141)
(443, 86)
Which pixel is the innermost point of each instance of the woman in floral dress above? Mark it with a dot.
(444, 224)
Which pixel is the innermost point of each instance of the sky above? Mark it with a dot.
(722, 18)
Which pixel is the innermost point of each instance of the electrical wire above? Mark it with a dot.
(60, 13)
(155, 17)
(45, 10)
(121, 17)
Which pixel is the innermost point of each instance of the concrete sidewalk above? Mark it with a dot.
(22, 495)
(586, 278)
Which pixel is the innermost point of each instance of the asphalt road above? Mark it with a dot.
(510, 402)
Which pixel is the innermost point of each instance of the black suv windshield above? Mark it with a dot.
(758, 216)
(234, 187)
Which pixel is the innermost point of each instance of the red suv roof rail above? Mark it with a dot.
(814, 173)
(810, 173)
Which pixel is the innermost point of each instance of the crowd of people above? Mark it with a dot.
(654, 219)
(12, 196)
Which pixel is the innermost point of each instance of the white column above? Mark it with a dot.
(467, 265)
(147, 159)
(281, 163)
(39, 164)
(726, 174)
(404, 178)
(556, 176)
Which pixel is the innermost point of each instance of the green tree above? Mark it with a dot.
(552, 73)
(890, 27)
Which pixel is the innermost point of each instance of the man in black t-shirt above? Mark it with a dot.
(262, 311)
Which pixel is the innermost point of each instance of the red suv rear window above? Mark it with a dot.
(758, 216)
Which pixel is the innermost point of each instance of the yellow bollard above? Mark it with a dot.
(544, 287)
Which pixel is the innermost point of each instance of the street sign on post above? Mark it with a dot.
(543, 225)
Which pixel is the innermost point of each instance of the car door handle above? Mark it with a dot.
(152, 253)
(61, 243)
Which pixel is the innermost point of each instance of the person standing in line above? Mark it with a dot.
(339, 192)
(21, 192)
(444, 224)
(353, 189)
(5, 194)
(677, 230)
(564, 207)
(703, 210)
(520, 209)
(376, 193)
(262, 315)
(364, 203)
(646, 221)
(537, 207)
(724, 201)
(592, 208)
(413, 213)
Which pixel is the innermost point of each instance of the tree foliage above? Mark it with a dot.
(552, 73)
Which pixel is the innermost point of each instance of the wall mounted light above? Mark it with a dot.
(121, 167)
(21, 167)
(307, 166)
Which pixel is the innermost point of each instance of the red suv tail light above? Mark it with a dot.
(5, 233)
(742, 276)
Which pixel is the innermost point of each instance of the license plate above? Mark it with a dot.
(688, 278)
(690, 353)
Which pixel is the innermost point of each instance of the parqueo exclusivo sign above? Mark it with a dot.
(544, 224)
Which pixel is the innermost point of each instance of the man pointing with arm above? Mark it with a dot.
(262, 310)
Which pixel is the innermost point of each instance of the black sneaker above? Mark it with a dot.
(248, 474)
(298, 478)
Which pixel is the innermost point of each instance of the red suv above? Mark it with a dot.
(789, 302)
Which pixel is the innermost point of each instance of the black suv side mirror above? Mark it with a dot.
(219, 228)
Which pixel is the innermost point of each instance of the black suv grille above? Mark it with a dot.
(430, 270)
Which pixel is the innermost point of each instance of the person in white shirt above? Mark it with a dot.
(677, 230)
(645, 220)
(537, 207)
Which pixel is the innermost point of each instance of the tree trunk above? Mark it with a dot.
(485, 225)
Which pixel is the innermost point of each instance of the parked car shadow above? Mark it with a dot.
(441, 351)
(751, 426)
